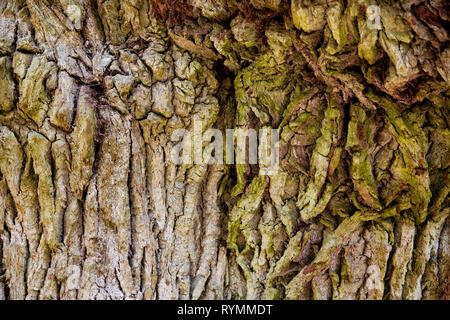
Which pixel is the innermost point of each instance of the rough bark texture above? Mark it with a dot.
(91, 92)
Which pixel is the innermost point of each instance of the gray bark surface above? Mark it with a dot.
(92, 91)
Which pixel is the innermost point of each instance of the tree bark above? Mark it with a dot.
(91, 93)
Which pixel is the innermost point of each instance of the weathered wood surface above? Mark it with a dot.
(91, 92)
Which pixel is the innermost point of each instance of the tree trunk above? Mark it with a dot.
(91, 93)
